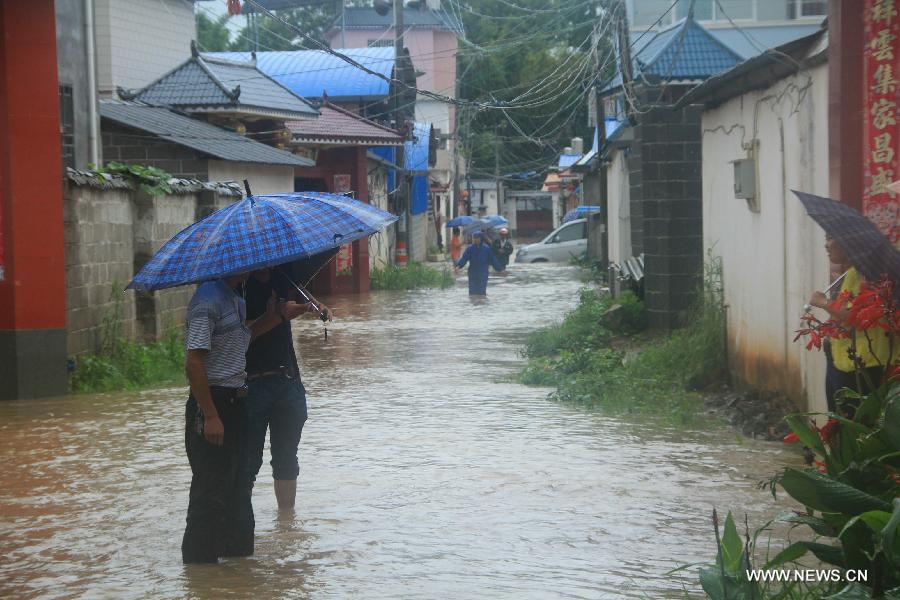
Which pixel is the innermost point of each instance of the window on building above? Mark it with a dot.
(67, 125)
(736, 9)
(388, 43)
(797, 9)
(645, 12)
(703, 9)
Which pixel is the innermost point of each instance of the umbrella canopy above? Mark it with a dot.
(461, 221)
(494, 220)
(579, 212)
(257, 232)
(867, 249)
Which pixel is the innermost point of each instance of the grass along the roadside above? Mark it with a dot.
(594, 360)
(132, 366)
(411, 277)
(123, 364)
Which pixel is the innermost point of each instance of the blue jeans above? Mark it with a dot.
(279, 404)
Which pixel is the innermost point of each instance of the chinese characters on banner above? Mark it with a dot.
(881, 94)
(344, 259)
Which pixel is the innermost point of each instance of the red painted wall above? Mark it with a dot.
(845, 101)
(343, 161)
(33, 294)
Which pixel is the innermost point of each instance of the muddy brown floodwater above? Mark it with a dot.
(424, 474)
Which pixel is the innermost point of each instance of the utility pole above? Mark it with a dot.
(343, 23)
(600, 118)
(625, 58)
(404, 236)
(497, 164)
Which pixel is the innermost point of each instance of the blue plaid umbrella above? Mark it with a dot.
(258, 232)
(865, 246)
(462, 221)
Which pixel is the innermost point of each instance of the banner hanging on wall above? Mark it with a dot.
(881, 134)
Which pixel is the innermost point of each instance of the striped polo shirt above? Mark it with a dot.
(215, 322)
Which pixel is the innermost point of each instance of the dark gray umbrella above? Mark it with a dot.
(865, 246)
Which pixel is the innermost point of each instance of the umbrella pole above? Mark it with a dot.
(808, 307)
(322, 315)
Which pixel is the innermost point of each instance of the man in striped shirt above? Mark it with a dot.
(217, 336)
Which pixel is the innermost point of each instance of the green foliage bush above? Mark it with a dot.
(133, 366)
(122, 364)
(411, 277)
(577, 356)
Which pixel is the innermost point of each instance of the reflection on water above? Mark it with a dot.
(424, 474)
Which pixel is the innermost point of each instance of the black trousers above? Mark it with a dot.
(220, 514)
(835, 380)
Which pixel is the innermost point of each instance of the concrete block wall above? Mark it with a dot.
(109, 235)
(157, 219)
(99, 263)
(668, 226)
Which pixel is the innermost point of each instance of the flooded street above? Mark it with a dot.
(424, 474)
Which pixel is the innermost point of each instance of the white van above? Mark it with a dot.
(564, 242)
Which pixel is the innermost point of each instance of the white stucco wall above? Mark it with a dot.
(772, 259)
(435, 112)
(264, 179)
(619, 218)
(138, 41)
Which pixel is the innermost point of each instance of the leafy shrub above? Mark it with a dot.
(122, 364)
(411, 277)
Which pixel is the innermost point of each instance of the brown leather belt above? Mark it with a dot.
(285, 372)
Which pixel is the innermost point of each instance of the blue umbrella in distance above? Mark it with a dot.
(494, 220)
(580, 212)
(257, 232)
(461, 221)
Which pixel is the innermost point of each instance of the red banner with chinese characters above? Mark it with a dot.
(881, 94)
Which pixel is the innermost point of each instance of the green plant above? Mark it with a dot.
(851, 496)
(579, 356)
(594, 270)
(413, 276)
(150, 180)
(122, 364)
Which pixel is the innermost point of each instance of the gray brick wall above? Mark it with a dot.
(157, 219)
(131, 146)
(99, 263)
(109, 236)
(667, 209)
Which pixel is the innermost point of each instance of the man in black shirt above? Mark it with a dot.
(277, 398)
(502, 247)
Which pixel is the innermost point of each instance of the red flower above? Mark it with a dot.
(829, 430)
(791, 438)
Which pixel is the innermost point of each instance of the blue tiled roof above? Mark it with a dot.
(197, 135)
(686, 51)
(310, 72)
(761, 38)
(683, 51)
